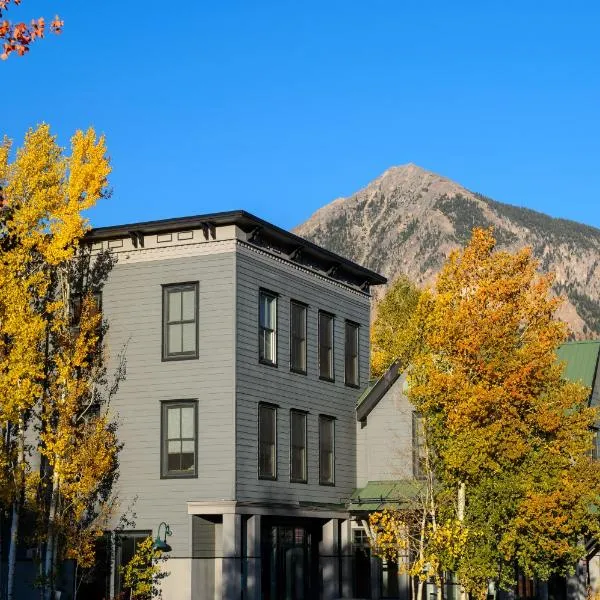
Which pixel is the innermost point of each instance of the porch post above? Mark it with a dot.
(329, 560)
(346, 551)
(232, 557)
(253, 545)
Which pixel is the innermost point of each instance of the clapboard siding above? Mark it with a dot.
(384, 443)
(256, 382)
(132, 303)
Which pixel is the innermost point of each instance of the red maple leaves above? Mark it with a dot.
(17, 37)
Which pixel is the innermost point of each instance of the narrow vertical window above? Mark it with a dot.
(298, 446)
(267, 325)
(180, 321)
(267, 441)
(326, 450)
(351, 354)
(326, 346)
(298, 337)
(418, 446)
(179, 445)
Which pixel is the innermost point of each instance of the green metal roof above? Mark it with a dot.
(377, 495)
(581, 360)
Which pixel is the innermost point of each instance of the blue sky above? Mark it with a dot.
(280, 107)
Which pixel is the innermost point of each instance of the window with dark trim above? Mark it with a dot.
(326, 321)
(326, 450)
(418, 446)
(352, 375)
(298, 312)
(596, 445)
(267, 441)
(298, 470)
(126, 545)
(180, 321)
(179, 426)
(267, 327)
(76, 306)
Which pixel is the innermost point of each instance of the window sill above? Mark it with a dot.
(267, 363)
(298, 371)
(356, 386)
(180, 357)
(179, 475)
(267, 478)
(332, 484)
(302, 481)
(329, 379)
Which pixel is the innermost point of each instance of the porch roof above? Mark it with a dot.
(377, 495)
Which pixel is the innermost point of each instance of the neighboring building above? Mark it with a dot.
(389, 453)
(247, 348)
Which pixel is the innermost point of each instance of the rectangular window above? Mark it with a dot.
(418, 446)
(267, 325)
(351, 354)
(267, 441)
(126, 545)
(180, 321)
(326, 346)
(179, 439)
(596, 445)
(298, 446)
(77, 306)
(326, 450)
(298, 313)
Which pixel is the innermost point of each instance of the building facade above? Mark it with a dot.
(246, 349)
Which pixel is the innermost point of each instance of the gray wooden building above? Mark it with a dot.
(247, 348)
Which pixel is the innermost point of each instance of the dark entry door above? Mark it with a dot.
(289, 570)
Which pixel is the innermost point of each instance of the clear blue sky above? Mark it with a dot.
(280, 107)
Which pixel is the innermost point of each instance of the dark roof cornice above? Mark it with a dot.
(294, 246)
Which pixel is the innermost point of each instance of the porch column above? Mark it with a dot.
(576, 583)
(375, 578)
(232, 557)
(329, 560)
(346, 551)
(253, 545)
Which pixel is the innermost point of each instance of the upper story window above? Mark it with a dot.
(351, 354)
(326, 321)
(267, 441)
(298, 312)
(76, 306)
(298, 471)
(596, 445)
(180, 321)
(267, 327)
(179, 439)
(418, 446)
(326, 450)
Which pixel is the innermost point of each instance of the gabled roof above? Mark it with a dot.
(377, 495)
(581, 360)
(376, 390)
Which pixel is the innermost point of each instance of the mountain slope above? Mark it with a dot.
(409, 219)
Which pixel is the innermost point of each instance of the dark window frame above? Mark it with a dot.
(275, 297)
(356, 327)
(274, 408)
(304, 415)
(302, 305)
(332, 420)
(75, 313)
(165, 405)
(417, 445)
(324, 313)
(139, 535)
(174, 287)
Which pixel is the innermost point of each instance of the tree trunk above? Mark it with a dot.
(12, 551)
(50, 540)
(420, 589)
(460, 512)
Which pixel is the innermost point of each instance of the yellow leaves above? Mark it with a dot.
(389, 534)
(393, 333)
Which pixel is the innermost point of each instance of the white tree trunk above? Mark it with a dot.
(12, 551)
(462, 500)
(51, 541)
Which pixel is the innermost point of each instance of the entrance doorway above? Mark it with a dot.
(289, 572)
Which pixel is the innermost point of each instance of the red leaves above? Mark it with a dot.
(19, 36)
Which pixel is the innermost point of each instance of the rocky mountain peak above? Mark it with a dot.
(408, 219)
